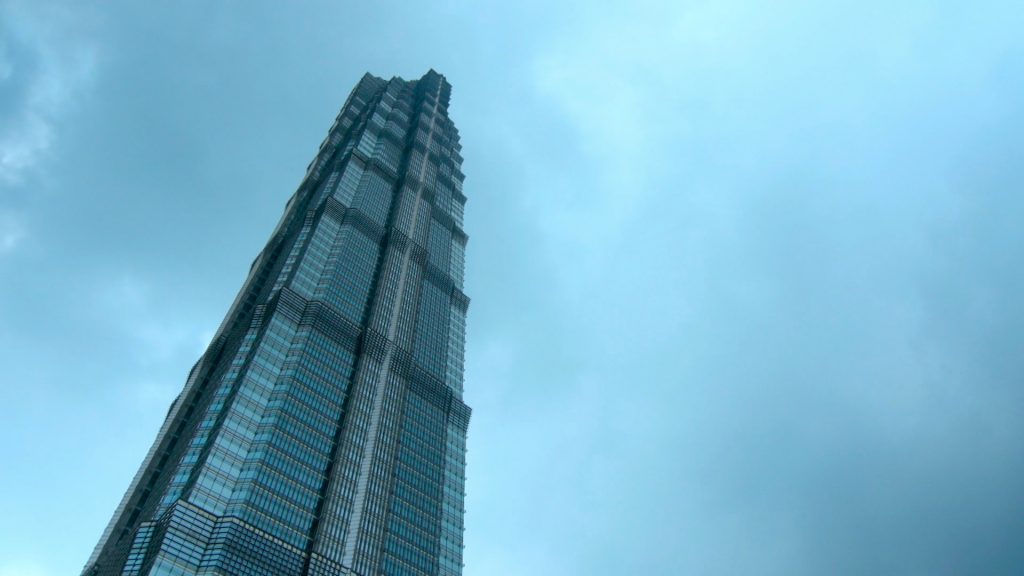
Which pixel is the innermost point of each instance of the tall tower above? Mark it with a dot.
(323, 431)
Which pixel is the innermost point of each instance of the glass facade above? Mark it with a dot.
(323, 431)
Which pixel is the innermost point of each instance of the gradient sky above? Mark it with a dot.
(747, 277)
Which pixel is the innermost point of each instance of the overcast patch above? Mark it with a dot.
(12, 231)
(43, 68)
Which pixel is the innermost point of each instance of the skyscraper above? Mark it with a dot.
(323, 431)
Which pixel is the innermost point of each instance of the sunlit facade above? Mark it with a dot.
(323, 431)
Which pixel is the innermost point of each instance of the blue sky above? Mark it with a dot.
(746, 277)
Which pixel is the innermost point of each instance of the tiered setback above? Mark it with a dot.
(323, 431)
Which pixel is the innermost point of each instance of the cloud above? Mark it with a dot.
(790, 255)
(155, 344)
(129, 303)
(44, 67)
(12, 231)
(23, 568)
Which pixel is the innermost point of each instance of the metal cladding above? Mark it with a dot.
(323, 431)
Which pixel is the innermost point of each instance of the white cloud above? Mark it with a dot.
(23, 568)
(203, 340)
(6, 67)
(12, 232)
(153, 395)
(56, 68)
(128, 302)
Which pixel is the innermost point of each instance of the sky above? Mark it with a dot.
(746, 277)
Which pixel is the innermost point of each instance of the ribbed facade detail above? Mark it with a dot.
(323, 431)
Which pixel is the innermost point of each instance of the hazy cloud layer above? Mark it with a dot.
(43, 68)
(746, 279)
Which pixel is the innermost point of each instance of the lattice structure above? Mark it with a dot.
(323, 431)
